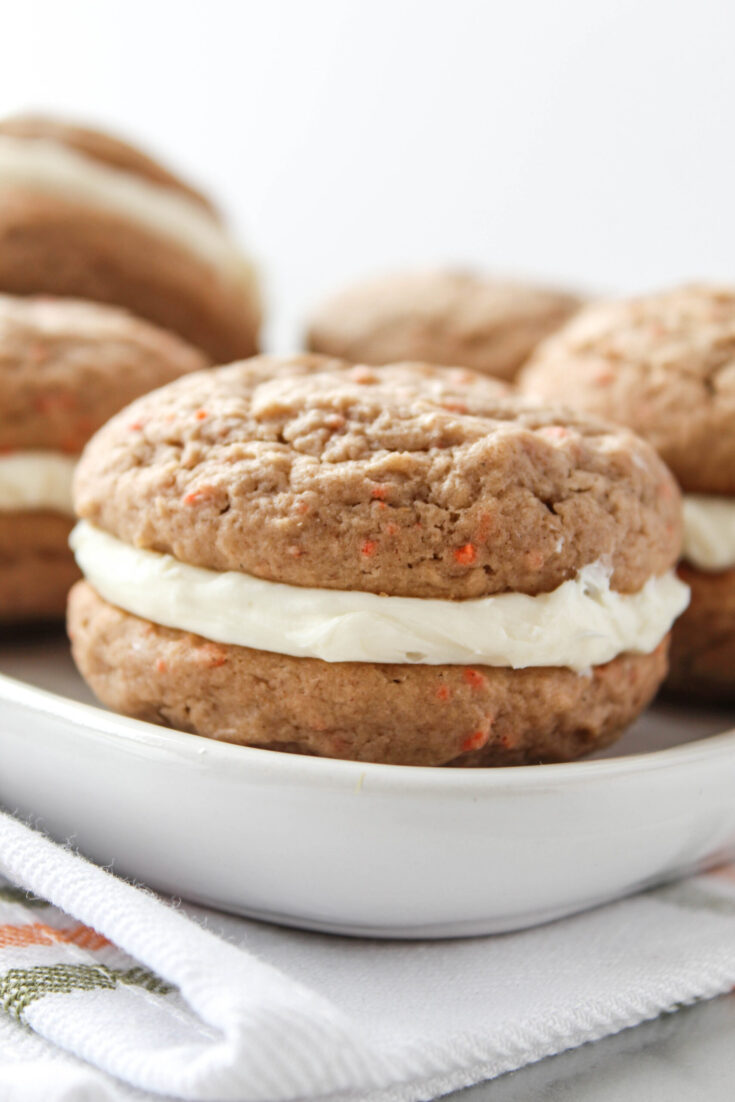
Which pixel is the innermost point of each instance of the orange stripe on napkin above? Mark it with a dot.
(38, 933)
(722, 872)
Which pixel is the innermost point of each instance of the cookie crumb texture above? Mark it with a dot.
(408, 480)
(441, 317)
(397, 714)
(36, 567)
(664, 365)
(703, 638)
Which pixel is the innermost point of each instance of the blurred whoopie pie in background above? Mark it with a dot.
(87, 215)
(441, 316)
(664, 364)
(65, 367)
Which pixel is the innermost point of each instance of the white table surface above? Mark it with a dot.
(681, 1057)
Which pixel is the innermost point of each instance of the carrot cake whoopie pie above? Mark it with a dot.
(664, 364)
(359, 563)
(65, 368)
(441, 316)
(84, 214)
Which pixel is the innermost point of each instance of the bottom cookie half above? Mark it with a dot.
(703, 639)
(404, 715)
(37, 569)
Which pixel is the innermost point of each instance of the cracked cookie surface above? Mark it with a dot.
(404, 480)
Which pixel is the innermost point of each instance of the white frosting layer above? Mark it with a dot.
(36, 480)
(581, 624)
(54, 169)
(709, 531)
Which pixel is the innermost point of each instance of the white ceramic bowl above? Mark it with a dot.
(389, 851)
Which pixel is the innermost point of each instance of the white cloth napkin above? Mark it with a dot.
(124, 992)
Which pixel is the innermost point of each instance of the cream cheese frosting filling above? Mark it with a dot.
(581, 624)
(709, 531)
(54, 169)
(36, 480)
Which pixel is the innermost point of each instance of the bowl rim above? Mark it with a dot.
(238, 760)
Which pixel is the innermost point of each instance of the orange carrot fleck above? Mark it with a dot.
(475, 741)
(474, 679)
(554, 432)
(204, 493)
(465, 555)
(161, 665)
(379, 491)
(362, 374)
(368, 548)
(201, 415)
(452, 405)
(443, 692)
(211, 655)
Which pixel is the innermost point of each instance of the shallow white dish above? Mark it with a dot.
(352, 848)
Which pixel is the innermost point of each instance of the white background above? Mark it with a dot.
(590, 141)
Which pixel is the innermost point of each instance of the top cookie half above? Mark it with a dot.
(86, 215)
(408, 480)
(441, 317)
(662, 364)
